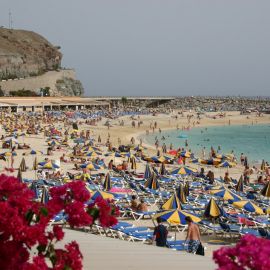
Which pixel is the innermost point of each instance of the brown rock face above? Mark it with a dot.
(25, 53)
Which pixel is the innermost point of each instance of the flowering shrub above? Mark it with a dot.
(250, 252)
(24, 224)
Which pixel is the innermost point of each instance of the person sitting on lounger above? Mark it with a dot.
(134, 203)
(193, 236)
(142, 207)
(160, 234)
(227, 179)
(211, 178)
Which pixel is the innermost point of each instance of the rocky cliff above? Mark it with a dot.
(28, 56)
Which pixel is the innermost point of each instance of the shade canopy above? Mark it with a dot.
(226, 194)
(152, 182)
(248, 206)
(172, 203)
(185, 170)
(266, 190)
(176, 217)
(212, 209)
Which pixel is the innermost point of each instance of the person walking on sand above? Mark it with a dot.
(193, 237)
(160, 234)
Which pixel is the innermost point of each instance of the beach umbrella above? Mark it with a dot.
(186, 154)
(33, 152)
(181, 194)
(45, 196)
(35, 164)
(19, 175)
(176, 217)
(226, 194)
(162, 170)
(240, 185)
(266, 190)
(90, 149)
(152, 182)
(53, 142)
(22, 166)
(93, 154)
(48, 165)
(185, 170)
(186, 189)
(165, 159)
(212, 209)
(133, 163)
(107, 182)
(147, 172)
(172, 203)
(34, 188)
(104, 195)
(226, 164)
(91, 166)
(155, 171)
(161, 159)
(248, 206)
(115, 154)
(263, 165)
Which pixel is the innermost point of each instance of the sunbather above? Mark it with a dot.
(142, 207)
(134, 203)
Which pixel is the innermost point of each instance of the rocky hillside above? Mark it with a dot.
(28, 56)
(25, 53)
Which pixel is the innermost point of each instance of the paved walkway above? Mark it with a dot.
(106, 253)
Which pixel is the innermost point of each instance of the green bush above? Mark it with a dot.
(23, 93)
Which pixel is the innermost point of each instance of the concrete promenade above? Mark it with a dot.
(106, 253)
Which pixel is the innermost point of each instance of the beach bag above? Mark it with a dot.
(200, 250)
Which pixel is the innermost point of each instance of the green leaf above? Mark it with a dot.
(41, 248)
(29, 216)
(94, 212)
(44, 211)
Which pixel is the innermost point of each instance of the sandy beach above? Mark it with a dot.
(119, 134)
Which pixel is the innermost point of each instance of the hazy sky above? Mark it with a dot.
(156, 47)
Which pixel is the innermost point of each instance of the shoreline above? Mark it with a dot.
(141, 134)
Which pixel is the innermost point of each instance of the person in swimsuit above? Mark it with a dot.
(193, 236)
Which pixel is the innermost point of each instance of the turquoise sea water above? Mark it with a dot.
(253, 141)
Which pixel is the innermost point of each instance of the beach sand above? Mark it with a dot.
(125, 133)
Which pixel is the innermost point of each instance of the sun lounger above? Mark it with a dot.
(178, 245)
(209, 227)
(231, 230)
(254, 232)
(141, 215)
